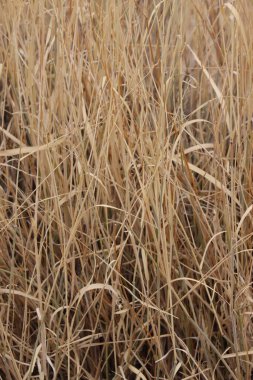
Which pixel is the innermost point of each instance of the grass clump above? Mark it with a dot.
(126, 189)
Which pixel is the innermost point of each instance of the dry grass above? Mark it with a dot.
(126, 189)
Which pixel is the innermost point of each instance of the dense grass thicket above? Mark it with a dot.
(126, 197)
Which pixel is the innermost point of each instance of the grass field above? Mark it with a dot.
(126, 197)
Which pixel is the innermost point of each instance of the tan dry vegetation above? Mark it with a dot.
(126, 189)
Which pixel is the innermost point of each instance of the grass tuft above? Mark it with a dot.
(126, 196)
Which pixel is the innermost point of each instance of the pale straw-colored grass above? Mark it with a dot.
(126, 189)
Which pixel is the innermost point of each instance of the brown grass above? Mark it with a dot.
(126, 189)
